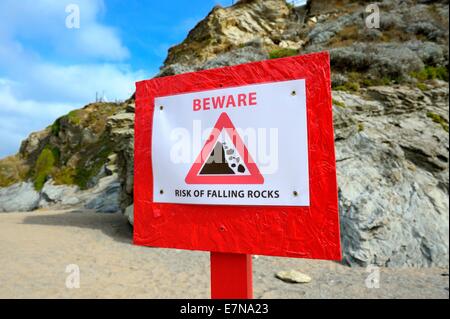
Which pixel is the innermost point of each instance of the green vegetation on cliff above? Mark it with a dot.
(12, 170)
(43, 168)
(72, 151)
(436, 118)
(91, 165)
(282, 53)
(431, 73)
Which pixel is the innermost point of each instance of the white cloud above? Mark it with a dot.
(44, 20)
(80, 82)
(99, 41)
(50, 91)
(47, 69)
(20, 117)
(15, 108)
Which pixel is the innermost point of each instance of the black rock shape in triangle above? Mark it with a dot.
(217, 163)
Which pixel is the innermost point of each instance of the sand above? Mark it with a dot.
(36, 248)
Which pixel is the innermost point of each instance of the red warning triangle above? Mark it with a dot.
(212, 171)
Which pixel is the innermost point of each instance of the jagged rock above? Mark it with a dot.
(293, 276)
(287, 44)
(79, 149)
(253, 51)
(227, 28)
(381, 59)
(322, 33)
(121, 120)
(129, 213)
(111, 167)
(70, 201)
(392, 163)
(19, 197)
(120, 128)
(176, 68)
(105, 196)
(52, 193)
(32, 144)
(131, 107)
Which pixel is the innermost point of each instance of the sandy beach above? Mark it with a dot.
(36, 248)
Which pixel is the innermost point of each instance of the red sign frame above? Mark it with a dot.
(300, 232)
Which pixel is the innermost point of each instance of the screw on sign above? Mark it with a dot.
(238, 161)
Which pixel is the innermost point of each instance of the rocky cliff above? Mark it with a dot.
(390, 96)
(74, 161)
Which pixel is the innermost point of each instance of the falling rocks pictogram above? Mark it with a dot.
(216, 163)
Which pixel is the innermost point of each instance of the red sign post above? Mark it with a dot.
(231, 276)
(242, 204)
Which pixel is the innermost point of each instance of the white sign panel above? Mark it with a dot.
(245, 145)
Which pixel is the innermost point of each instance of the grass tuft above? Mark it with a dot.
(348, 87)
(361, 127)
(43, 168)
(436, 118)
(431, 73)
(282, 53)
(339, 104)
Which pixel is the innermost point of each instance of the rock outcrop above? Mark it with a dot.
(104, 197)
(71, 162)
(228, 28)
(129, 214)
(392, 163)
(120, 128)
(391, 112)
(20, 197)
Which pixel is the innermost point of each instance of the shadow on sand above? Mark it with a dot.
(115, 225)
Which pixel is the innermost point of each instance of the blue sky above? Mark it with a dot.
(47, 69)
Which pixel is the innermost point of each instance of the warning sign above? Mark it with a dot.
(228, 162)
(239, 160)
(246, 145)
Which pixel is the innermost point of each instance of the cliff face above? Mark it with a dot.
(72, 150)
(411, 36)
(225, 29)
(390, 96)
(77, 150)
